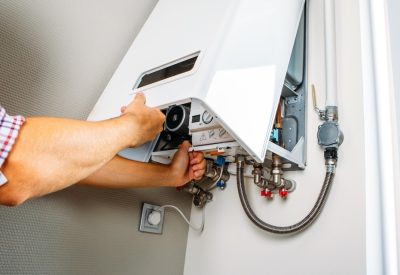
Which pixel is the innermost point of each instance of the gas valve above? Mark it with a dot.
(215, 176)
(275, 184)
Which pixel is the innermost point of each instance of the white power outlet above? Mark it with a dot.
(151, 219)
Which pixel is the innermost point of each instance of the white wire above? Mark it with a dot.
(200, 228)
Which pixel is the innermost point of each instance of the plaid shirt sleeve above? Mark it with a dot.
(9, 128)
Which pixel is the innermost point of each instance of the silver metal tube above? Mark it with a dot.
(330, 53)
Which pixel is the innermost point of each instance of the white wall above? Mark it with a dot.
(335, 243)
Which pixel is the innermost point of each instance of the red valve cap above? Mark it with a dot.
(283, 193)
(267, 193)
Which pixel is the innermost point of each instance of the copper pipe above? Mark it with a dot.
(278, 116)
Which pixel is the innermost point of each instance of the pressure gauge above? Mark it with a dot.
(206, 117)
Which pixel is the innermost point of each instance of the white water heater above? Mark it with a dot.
(218, 66)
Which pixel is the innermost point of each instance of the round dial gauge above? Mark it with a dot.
(206, 117)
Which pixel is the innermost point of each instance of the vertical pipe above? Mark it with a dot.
(330, 53)
(278, 116)
(381, 228)
(373, 203)
(386, 143)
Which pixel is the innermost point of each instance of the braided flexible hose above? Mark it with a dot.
(295, 228)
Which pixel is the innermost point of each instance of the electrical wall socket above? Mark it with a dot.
(145, 225)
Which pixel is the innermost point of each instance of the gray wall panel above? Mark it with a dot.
(55, 59)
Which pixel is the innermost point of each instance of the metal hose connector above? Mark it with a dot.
(295, 228)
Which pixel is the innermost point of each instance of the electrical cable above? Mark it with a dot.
(196, 228)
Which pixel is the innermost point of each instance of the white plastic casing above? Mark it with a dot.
(244, 50)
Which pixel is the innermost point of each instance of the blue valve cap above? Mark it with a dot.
(220, 161)
(221, 184)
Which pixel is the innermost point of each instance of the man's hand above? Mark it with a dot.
(148, 122)
(187, 166)
(124, 173)
(53, 153)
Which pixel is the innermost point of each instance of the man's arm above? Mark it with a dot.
(51, 153)
(123, 173)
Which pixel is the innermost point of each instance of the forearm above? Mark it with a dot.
(52, 153)
(123, 173)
